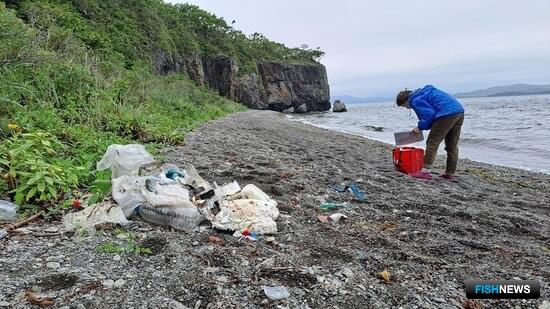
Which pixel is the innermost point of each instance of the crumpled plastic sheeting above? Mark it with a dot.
(95, 217)
(127, 193)
(249, 209)
(162, 192)
(124, 160)
(158, 200)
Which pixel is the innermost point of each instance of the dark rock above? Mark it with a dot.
(339, 107)
(165, 63)
(249, 92)
(221, 75)
(293, 85)
(195, 69)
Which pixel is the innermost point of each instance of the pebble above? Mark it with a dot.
(119, 283)
(176, 305)
(51, 230)
(53, 265)
(347, 272)
(4, 304)
(108, 284)
(276, 292)
(58, 258)
(116, 258)
(270, 239)
(440, 300)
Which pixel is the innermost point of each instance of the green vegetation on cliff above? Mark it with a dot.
(77, 76)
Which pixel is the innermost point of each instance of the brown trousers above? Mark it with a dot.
(448, 129)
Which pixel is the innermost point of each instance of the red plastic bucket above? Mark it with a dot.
(408, 159)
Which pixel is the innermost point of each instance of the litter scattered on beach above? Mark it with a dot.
(96, 217)
(167, 195)
(353, 188)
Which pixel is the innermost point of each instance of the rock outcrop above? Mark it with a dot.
(221, 75)
(249, 91)
(301, 86)
(278, 86)
(195, 69)
(339, 107)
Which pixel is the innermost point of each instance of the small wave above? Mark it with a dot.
(479, 140)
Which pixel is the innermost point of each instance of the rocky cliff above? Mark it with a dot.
(278, 86)
(303, 87)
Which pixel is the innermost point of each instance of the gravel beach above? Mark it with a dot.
(494, 223)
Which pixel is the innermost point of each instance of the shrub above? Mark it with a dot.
(33, 170)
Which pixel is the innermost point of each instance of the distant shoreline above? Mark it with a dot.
(347, 99)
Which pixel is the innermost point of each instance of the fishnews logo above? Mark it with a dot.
(503, 289)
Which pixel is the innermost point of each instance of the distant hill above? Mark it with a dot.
(510, 90)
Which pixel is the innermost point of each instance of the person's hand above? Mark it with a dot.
(415, 130)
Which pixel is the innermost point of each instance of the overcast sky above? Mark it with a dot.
(375, 48)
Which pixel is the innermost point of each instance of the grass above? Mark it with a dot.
(126, 245)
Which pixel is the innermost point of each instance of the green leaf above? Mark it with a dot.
(34, 179)
(30, 194)
(42, 186)
(19, 197)
(53, 191)
(49, 180)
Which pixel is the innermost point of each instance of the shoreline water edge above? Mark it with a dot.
(506, 131)
(440, 151)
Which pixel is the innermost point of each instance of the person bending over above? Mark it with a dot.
(443, 115)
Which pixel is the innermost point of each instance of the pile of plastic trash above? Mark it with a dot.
(168, 195)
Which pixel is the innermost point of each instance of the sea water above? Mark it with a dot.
(511, 131)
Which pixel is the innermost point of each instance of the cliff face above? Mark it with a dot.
(303, 87)
(278, 86)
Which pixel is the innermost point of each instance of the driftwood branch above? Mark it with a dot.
(21, 223)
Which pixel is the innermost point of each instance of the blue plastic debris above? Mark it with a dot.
(354, 189)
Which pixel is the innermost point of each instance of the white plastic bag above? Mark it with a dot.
(127, 193)
(124, 159)
(172, 194)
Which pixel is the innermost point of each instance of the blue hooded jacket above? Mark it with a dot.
(430, 103)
